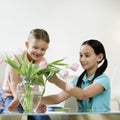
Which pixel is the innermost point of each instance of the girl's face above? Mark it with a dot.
(88, 59)
(36, 49)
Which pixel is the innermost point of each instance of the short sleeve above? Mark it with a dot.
(103, 80)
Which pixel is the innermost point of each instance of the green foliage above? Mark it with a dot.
(32, 73)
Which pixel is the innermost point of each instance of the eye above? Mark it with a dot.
(80, 55)
(43, 49)
(35, 47)
(87, 55)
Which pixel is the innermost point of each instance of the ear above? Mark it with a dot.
(100, 57)
(27, 44)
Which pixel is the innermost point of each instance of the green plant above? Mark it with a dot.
(34, 74)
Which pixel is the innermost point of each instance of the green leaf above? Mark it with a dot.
(18, 60)
(50, 75)
(29, 69)
(56, 61)
(40, 80)
(35, 70)
(24, 66)
(13, 64)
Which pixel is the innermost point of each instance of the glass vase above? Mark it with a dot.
(29, 96)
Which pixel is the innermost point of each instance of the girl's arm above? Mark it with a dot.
(14, 79)
(78, 93)
(55, 98)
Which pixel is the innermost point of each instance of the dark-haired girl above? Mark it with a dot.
(92, 87)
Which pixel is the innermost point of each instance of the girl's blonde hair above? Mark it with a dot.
(39, 34)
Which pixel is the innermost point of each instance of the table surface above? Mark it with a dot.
(63, 111)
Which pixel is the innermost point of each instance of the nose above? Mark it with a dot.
(82, 59)
(41, 52)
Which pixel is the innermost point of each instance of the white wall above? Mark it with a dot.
(69, 23)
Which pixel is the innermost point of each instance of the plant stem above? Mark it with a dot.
(28, 98)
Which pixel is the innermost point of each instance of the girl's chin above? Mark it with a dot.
(84, 68)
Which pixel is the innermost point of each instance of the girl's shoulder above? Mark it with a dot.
(16, 56)
(103, 80)
(103, 76)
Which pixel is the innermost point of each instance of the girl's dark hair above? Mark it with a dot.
(98, 48)
(39, 34)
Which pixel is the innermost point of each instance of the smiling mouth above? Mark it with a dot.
(37, 55)
(84, 65)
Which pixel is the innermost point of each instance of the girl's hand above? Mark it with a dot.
(13, 105)
(41, 108)
(11, 108)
